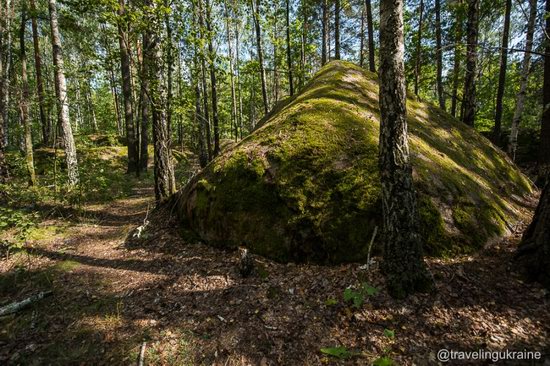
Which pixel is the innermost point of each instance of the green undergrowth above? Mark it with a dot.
(305, 185)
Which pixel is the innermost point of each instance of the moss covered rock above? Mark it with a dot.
(305, 185)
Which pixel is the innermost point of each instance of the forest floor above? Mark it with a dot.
(186, 304)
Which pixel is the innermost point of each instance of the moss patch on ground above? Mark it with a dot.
(305, 185)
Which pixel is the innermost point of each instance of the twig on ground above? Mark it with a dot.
(16, 306)
(142, 354)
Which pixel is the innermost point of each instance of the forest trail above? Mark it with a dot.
(189, 305)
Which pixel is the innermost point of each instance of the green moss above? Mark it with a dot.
(305, 185)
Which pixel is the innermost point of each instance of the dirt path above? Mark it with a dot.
(189, 305)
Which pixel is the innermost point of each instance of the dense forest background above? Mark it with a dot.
(224, 65)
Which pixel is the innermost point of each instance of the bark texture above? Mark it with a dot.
(336, 29)
(44, 120)
(125, 69)
(534, 250)
(372, 66)
(289, 50)
(403, 264)
(502, 73)
(544, 148)
(439, 55)
(62, 102)
(469, 96)
(324, 33)
(165, 183)
(522, 93)
(259, 51)
(24, 104)
(5, 41)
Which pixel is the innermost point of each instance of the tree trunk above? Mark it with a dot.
(302, 76)
(238, 73)
(62, 102)
(368, 7)
(125, 68)
(418, 58)
(520, 98)
(112, 81)
(231, 73)
(439, 55)
(544, 148)
(44, 121)
(288, 49)
(275, 57)
(456, 64)
(169, 74)
(502, 74)
(533, 252)
(362, 38)
(256, 18)
(204, 84)
(24, 106)
(336, 29)
(469, 96)
(324, 42)
(213, 85)
(5, 67)
(403, 265)
(145, 105)
(199, 117)
(165, 183)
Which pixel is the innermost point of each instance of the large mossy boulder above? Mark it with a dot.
(305, 185)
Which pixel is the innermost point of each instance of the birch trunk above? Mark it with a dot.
(62, 102)
(520, 98)
(403, 264)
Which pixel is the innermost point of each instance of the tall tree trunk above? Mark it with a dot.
(533, 251)
(469, 96)
(456, 63)
(418, 58)
(125, 68)
(403, 264)
(302, 76)
(288, 49)
(238, 69)
(196, 79)
(275, 57)
(544, 148)
(362, 38)
(502, 73)
(524, 78)
(5, 69)
(169, 74)
(145, 104)
(213, 85)
(256, 18)
(44, 121)
(325, 31)
(337, 29)
(439, 55)
(165, 183)
(62, 102)
(368, 7)
(231, 73)
(204, 84)
(112, 80)
(24, 106)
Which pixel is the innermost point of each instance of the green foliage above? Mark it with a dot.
(389, 333)
(20, 221)
(357, 297)
(338, 352)
(383, 361)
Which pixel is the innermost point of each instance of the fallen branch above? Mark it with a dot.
(16, 306)
(142, 354)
